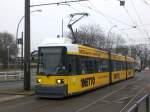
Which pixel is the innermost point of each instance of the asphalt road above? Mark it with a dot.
(114, 98)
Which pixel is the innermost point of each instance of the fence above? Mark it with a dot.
(141, 105)
(11, 76)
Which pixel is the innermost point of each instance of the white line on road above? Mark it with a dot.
(108, 101)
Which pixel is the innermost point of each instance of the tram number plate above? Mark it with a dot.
(116, 76)
(88, 81)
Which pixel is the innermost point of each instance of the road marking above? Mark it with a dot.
(124, 98)
(108, 101)
(133, 98)
(100, 99)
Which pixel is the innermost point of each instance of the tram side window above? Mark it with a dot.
(114, 68)
(120, 67)
(123, 66)
(98, 66)
(72, 65)
(105, 65)
(90, 65)
(130, 65)
(87, 65)
(127, 65)
(117, 65)
(83, 67)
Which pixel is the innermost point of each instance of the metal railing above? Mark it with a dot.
(135, 107)
(12, 75)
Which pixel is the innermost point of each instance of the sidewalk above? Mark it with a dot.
(4, 97)
(12, 94)
(17, 91)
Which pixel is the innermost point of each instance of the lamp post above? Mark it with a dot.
(18, 25)
(8, 54)
(109, 41)
(27, 83)
(26, 86)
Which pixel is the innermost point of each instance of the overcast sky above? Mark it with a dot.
(106, 13)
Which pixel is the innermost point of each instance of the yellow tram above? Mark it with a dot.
(65, 69)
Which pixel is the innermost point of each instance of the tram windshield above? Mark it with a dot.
(51, 61)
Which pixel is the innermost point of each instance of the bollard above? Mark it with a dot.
(136, 108)
(147, 103)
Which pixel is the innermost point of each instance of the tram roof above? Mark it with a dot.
(60, 42)
(74, 48)
(117, 57)
(66, 42)
(81, 49)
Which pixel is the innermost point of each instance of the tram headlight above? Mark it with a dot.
(39, 80)
(59, 81)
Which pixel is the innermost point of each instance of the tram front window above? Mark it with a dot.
(50, 61)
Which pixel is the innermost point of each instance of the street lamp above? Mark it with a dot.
(18, 25)
(108, 42)
(8, 54)
(21, 21)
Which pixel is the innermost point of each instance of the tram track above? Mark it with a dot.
(102, 99)
(42, 107)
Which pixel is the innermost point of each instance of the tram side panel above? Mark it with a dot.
(130, 67)
(118, 65)
(130, 73)
(91, 74)
(118, 76)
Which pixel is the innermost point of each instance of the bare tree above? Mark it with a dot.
(93, 36)
(115, 43)
(120, 44)
(90, 35)
(141, 51)
(8, 49)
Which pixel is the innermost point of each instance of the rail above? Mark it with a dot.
(135, 107)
